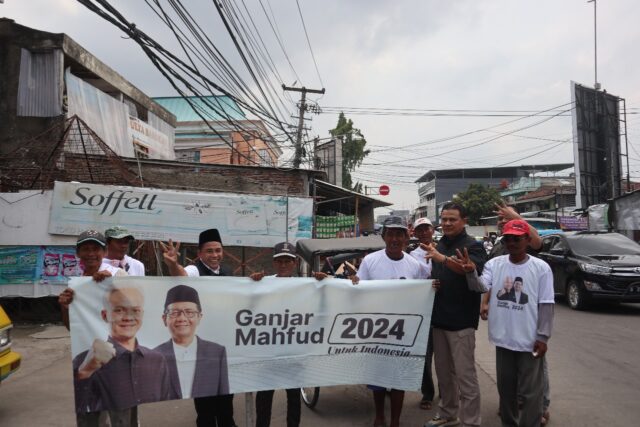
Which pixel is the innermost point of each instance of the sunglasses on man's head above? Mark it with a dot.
(512, 238)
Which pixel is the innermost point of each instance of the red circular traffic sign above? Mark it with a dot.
(383, 190)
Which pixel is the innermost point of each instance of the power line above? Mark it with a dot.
(309, 43)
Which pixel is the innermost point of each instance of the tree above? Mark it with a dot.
(479, 201)
(353, 151)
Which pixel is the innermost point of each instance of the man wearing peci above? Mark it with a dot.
(211, 410)
(197, 368)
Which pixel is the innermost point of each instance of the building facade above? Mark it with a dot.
(46, 78)
(214, 129)
(438, 186)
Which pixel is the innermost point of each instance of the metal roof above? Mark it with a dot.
(211, 108)
(491, 172)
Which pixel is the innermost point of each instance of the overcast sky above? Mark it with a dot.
(419, 54)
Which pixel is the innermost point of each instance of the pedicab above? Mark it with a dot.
(333, 257)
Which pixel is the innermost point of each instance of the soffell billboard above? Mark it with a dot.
(596, 132)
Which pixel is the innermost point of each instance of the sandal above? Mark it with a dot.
(545, 418)
(426, 405)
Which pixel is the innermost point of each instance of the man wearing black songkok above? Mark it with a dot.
(212, 410)
(197, 368)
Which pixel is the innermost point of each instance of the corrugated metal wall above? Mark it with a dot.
(40, 84)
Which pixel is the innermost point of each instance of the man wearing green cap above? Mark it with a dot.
(118, 241)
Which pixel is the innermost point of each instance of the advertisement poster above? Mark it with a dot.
(152, 214)
(37, 265)
(146, 339)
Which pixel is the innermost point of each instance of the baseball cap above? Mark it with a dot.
(91, 236)
(422, 221)
(284, 249)
(395, 222)
(516, 227)
(117, 232)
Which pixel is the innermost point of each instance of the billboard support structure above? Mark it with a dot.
(597, 153)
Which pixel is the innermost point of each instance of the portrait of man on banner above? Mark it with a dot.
(197, 367)
(119, 373)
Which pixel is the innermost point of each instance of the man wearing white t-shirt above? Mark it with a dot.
(390, 263)
(118, 241)
(519, 329)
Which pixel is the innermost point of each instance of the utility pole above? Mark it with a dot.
(303, 107)
(595, 41)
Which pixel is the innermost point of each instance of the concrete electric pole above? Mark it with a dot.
(303, 107)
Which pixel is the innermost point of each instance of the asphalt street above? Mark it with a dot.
(593, 362)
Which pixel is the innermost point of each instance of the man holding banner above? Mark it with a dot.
(390, 263)
(197, 367)
(213, 410)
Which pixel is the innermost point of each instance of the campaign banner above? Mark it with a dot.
(153, 214)
(145, 339)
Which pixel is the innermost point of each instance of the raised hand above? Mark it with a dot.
(463, 260)
(432, 252)
(507, 212)
(170, 252)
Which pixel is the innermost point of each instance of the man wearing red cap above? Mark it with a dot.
(519, 327)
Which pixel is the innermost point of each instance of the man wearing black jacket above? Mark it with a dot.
(456, 311)
(213, 411)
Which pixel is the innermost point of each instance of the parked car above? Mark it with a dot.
(590, 266)
(9, 360)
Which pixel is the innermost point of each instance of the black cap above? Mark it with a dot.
(91, 236)
(182, 293)
(517, 279)
(284, 249)
(395, 222)
(210, 235)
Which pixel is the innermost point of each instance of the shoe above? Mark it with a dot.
(438, 421)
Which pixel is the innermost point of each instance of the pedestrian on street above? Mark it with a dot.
(213, 411)
(455, 317)
(423, 230)
(390, 263)
(505, 214)
(118, 242)
(519, 329)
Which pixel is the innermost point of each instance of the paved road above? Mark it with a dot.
(594, 362)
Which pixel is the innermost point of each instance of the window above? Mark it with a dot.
(265, 159)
